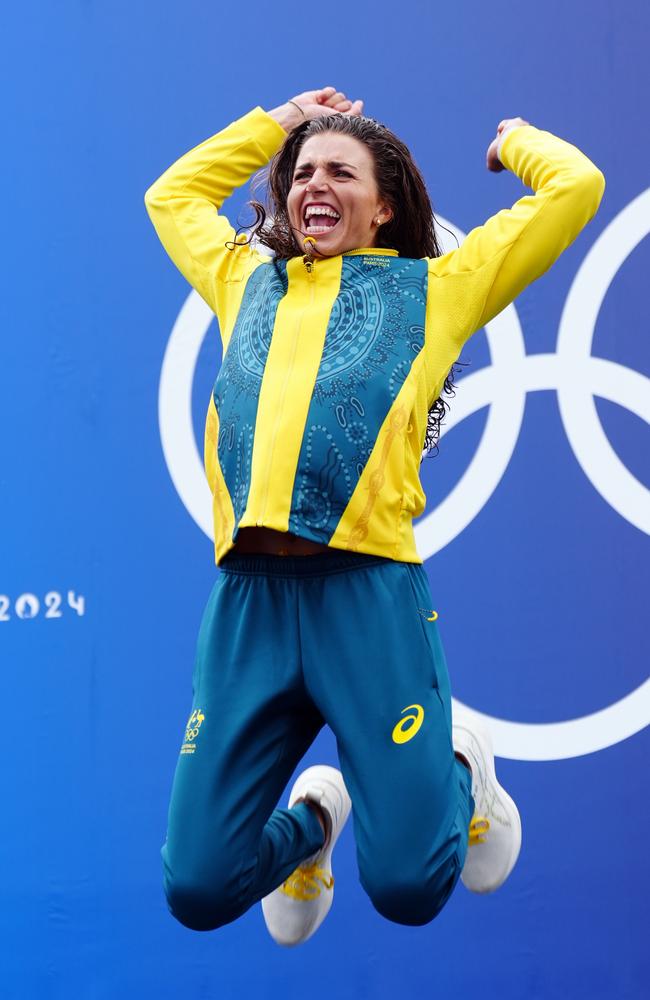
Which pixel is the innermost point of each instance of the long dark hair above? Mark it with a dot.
(410, 230)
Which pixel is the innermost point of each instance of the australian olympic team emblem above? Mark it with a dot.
(192, 729)
(572, 372)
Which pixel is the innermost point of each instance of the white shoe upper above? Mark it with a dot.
(495, 830)
(297, 908)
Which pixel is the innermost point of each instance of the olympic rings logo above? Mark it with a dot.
(572, 372)
(193, 725)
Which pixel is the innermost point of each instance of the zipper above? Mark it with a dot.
(309, 266)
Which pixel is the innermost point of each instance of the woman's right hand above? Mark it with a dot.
(492, 160)
(314, 104)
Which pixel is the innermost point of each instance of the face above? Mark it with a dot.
(334, 197)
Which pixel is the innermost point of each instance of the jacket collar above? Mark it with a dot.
(371, 250)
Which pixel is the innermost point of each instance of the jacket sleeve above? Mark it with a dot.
(497, 260)
(183, 206)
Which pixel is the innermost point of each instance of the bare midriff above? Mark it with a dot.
(277, 543)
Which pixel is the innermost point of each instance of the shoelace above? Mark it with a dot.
(478, 828)
(303, 883)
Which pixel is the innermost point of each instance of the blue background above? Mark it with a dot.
(542, 599)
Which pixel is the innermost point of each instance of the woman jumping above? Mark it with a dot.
(336, 351)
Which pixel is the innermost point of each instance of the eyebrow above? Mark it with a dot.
(331, 163)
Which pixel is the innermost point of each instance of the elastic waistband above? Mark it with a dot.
(319, 564)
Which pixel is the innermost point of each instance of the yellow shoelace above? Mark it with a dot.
(478, 829)
(303, 883)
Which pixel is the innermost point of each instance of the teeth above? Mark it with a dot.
(321, 210)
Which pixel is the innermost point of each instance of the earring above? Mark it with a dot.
(378, 221)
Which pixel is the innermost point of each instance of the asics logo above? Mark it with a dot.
(303, 883)
(409, 726)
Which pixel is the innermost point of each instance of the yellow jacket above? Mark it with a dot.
(318, 415)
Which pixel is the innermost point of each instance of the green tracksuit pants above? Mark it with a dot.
(287, 644)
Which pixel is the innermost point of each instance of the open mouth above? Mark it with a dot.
(320, 219)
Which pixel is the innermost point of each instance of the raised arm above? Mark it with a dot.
(499, 259)
(183, 203)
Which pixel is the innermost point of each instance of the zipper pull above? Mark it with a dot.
(308, 259)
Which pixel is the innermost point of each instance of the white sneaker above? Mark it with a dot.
(495, 829)
(296, 909)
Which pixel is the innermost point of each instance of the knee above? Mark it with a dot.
(412, 897)
(201, 904)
